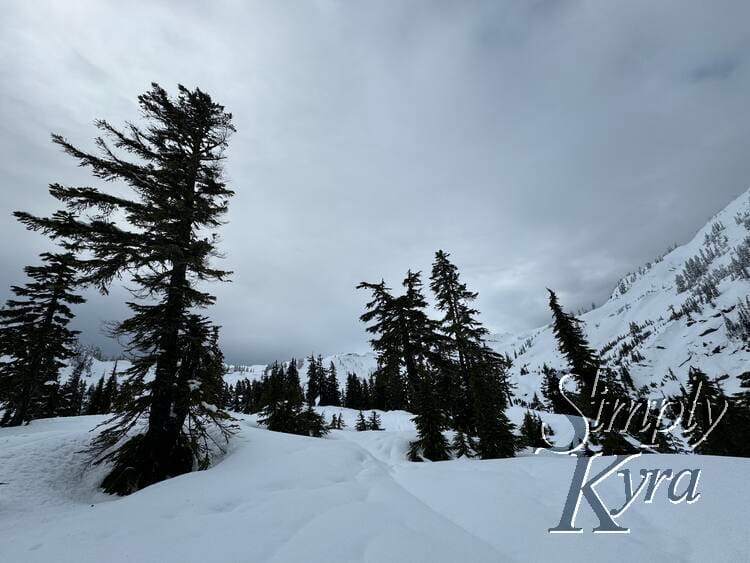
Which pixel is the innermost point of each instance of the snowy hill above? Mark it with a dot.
(351, 497)
(360, 364)
(655, 322)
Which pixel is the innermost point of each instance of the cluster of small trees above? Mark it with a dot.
(284, 409)
(739, 328)
(373, 422)
(161, 237)
(729, 436)
(441, 370)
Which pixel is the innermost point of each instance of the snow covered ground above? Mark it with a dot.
(350, 497)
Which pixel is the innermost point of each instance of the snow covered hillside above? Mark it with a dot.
(666, 316)
(350, 497)
(361, 364)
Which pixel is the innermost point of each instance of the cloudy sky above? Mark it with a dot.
(554, 143)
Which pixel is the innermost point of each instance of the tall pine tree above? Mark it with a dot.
(477, 384)
(35, 339)
(161, 237)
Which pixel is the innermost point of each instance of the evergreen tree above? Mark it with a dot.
(388, 388)
(614, 418)
(293, 383)
(74, 390)
(280, 411)
(162, 238)
(283, 409)
(430, 421)
(476, 381)
(374, 422)
(312, 424)
(333, 425)
(462, 446)
(361, 425)
(582, 360)
(96, 398)
(729, 436)
(353, 392)
(314, 380)
(35, 339)
(109, 395)
(552, 394)
(532, 432)
(462, 345)
(535, 403)
(367, 394)
(494, 429)
(403, 331)
(330, 393)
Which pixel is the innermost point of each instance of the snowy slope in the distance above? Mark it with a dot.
(636, 327)
(360, 364)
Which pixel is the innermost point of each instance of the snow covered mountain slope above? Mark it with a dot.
(350, 497)
(655, 322)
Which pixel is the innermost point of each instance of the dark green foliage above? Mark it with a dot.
(73, 392)
(315, 379)
(473, 378)
(553, 397)
(374, 422)
(283, 409)
(729, 437)
(353, 394)
(494, 430)
(329, 393)
(404, 335)
(35, 339)
(582, 360)
(293, 385)
(430, 421)
(337, 422)
(533, 432)
(613, 407)
(442, 371)
(361, 425)
(536, 403)
(162, 237)
(95, 403)
(312, 424)
(199, 387)
(462, 446)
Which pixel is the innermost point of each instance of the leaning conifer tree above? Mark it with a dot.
(162, 238)
(35, 339)
(582, 360)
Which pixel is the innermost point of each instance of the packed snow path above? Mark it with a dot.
(349, 498)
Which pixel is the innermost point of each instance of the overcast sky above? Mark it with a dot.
(541, 143)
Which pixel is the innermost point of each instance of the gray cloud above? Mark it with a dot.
(549, 143)
(719, 69)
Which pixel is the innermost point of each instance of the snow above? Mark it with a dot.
(673, 344)
(351, 497)
(360, 364)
